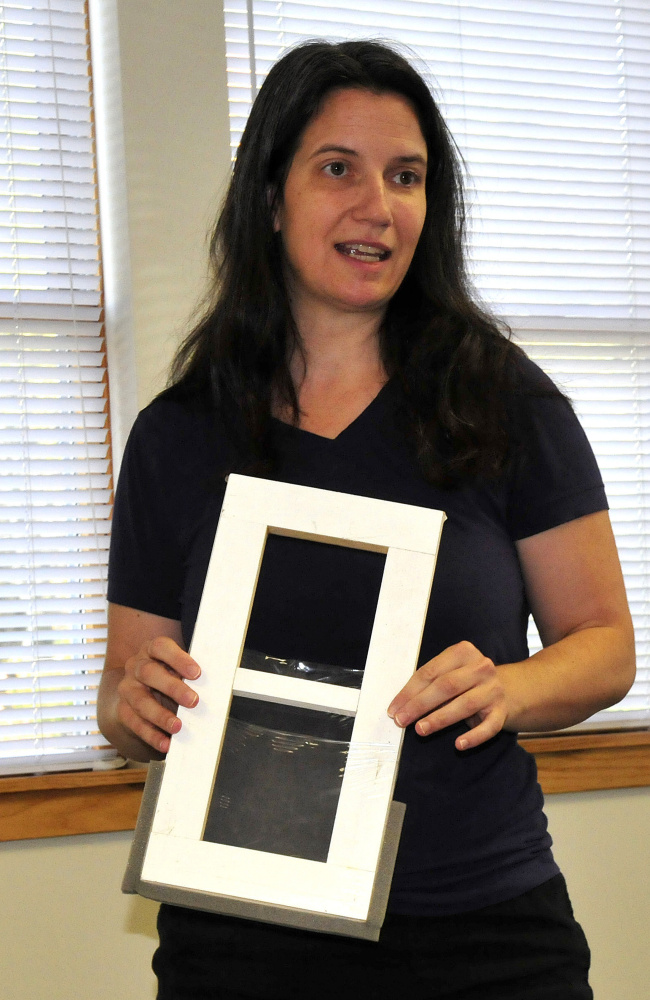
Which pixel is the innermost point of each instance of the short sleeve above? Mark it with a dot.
(555, 478)
(145, 562)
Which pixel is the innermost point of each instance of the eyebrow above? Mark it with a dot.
(345, 151)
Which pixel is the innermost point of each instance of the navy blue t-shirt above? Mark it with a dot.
(474, 832)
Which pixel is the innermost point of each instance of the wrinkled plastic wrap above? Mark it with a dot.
(279, 777)
(285, 774)
(325, 673)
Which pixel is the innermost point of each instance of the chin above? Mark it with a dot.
(365, 305)
(375, 304)
(367, 299)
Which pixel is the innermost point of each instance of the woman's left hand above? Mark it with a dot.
(458, 684)
(575, 589)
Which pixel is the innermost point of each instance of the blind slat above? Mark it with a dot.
(55, 477)
(549, 101)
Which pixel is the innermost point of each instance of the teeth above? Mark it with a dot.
(363, 251)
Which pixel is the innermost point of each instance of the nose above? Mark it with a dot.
(373, 204)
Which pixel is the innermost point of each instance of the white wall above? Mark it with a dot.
(601, 842)
(68, 934)
(66, 931)
(177, 155)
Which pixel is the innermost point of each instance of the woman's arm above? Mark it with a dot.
(143, 682)
(576, 592)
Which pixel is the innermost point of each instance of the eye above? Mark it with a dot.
(407, 178)
(336, 169)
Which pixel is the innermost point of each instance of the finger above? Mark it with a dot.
(142, 701)
(440, 703)
(473, 701)
(148, 733)
(486, 729)
(156, 676)
(449, 660)
(169, 652)
(165, 701)
(476, 682)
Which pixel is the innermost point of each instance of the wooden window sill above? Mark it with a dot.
(57, 805)
(589, 762)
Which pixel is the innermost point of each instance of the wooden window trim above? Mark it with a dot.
(587, 762)
(57, 805)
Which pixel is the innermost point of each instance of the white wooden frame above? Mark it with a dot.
(175, 853)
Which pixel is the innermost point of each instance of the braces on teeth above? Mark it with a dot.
(361, 250)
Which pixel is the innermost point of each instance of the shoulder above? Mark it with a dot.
(178, 433)
(554, 476)
(172, 476)
(168, 418)
(536, 404)
(528, 379)
(174, 463)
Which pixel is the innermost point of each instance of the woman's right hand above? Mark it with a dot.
(144, 681)
(152, 688)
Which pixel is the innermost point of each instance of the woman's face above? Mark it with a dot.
(353, 205)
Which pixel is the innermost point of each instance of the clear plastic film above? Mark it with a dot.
(281, 768)
(325, 673)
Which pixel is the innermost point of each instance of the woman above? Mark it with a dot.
(342, 349)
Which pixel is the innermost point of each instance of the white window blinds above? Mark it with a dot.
(55, 488)
(549, 101)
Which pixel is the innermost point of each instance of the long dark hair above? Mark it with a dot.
(454, 363)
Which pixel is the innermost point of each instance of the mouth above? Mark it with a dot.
(363, 251)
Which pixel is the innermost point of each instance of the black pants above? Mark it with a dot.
(528, 948)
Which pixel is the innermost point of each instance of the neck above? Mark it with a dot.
(343, 348)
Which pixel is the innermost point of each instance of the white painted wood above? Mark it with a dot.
(339, 518)
(257, 875)
(371, 769)
(296, 691)
(217, 645)
(176, 854)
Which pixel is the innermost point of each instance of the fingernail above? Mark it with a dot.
(194, 701)
(164, 744)
(400, 720)
(175, 726)
(391, 712)
(195, 675)
(423, 728)
(463, 744)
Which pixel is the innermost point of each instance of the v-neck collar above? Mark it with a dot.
(374, 403)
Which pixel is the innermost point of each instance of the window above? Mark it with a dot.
(56, 484)
(550, 105)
